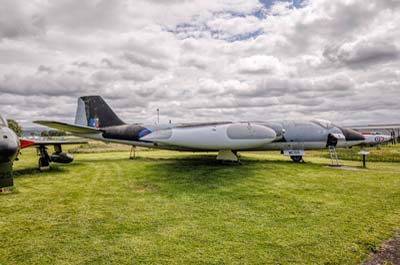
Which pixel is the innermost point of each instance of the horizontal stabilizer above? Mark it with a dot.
(72, 128)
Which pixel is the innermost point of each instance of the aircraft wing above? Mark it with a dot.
(28, 142)
(73, 128)
(58, 156)
(375, 126)
(52, 142)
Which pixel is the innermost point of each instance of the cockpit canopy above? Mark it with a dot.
(325, 124)
(3, 122)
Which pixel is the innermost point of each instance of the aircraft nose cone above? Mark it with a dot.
(352, 135)
(8, 151)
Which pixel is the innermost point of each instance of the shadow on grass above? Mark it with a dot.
(196, 174)
(33, 172)
(202, 173)
(198, 160)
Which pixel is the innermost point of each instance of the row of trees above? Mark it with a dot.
(53, 133)
(13, 125)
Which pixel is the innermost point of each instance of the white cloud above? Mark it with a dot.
(201, 59)
(262, 64)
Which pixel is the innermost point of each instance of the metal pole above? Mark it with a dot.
(364, 166)
(393, 134)
(158, 116)
(132, 155)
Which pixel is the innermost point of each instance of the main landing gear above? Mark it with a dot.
(57, 157)
(295, 155)
(297, 159)
(44, 160)
(132, 154)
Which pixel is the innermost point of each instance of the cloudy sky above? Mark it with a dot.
(202, 60)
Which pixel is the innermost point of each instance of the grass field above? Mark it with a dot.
(388, 153)
(177, 208)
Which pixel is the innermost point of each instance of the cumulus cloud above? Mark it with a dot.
(18, 21)
(262, 64)
(363, 53)
(202, 60)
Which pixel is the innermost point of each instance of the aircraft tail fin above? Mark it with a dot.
(94, 112)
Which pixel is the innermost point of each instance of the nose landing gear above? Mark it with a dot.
(6, 178)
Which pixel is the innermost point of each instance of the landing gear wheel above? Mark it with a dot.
(297, 159)
(43, 163)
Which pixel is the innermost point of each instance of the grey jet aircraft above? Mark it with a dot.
(11, 145)
(96, 120)
(9, 150)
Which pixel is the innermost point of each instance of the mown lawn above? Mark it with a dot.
(386, 153)
(177, 208)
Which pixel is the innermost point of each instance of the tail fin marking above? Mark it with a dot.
(94, 112)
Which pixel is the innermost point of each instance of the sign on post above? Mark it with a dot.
(364, 154)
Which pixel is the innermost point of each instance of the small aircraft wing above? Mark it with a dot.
(375, 126)
(73, 128)
(58, 156)
(25, 143)
(54, 142)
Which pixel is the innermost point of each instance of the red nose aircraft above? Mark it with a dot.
(11, 144)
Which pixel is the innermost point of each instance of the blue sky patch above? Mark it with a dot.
(294, 3)
(199, 29)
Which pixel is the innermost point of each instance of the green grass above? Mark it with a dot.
(387, 153)
(179, 208)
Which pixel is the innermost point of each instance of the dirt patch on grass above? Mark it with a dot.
(389, 253)
(147, 188)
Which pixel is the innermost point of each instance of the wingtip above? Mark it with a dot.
(24, 143)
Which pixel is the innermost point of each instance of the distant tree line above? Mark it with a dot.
(51, 133)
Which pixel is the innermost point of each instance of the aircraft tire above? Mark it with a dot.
(43, 163)
(297, 159)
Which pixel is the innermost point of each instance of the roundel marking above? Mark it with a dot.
(144, 132)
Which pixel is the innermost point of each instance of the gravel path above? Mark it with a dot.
(389, 253)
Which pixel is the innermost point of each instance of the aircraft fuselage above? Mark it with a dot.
(285, 135)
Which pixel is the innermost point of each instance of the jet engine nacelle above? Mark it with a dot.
(335, 139)
(63, 158)
(231, 136)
